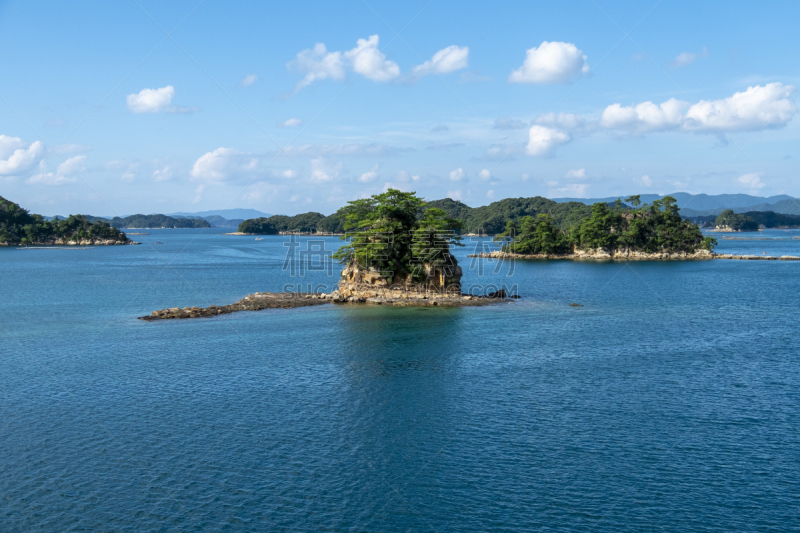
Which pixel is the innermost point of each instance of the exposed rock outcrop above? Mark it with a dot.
(360, 284)
(440, 286)
(82, 242)
(728, 229)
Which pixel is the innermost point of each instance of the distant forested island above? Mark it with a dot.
(619, 229)
(156, 221)
(18, 226)
(749, 221)
(304, 223)
(729, 220)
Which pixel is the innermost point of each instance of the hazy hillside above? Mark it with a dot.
(229, 214)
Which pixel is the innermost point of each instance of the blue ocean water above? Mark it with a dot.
(669, 401)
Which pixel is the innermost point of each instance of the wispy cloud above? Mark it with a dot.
(248, 80)
(687, 58)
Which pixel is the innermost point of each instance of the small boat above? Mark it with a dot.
(158, 242)
(259, 238)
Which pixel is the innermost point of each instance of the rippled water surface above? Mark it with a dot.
(669, 401)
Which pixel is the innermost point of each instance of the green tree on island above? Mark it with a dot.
(736, 222)
(536, 236)
(391, 233)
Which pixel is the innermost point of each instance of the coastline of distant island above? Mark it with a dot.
(19, 227)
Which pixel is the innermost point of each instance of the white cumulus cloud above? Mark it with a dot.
(366, 59)
(645, 117)
(458, 175)
(551, 62)
(757, 108)
(16, 156)
(752, 180)
(542, 141)
(647, 181)
(222, 164)
(444, 61)
(317, 64)
(63, 173)
(369, 176)
(151, 100)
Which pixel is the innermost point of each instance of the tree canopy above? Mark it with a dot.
(492, 219)
(391, 233)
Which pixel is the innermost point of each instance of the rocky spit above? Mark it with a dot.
(358, 285)
(627, 255)
(288, 300)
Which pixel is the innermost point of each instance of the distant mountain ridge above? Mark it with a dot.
(229, 214)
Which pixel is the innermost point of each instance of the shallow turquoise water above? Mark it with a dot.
(668, 402)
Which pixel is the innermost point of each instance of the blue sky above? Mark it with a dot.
(102, 112)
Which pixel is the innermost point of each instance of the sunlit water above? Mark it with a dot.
(669, 401)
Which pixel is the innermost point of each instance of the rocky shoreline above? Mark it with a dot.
(298, 233)
(82, 242)
(626, 255)
(287, 300)
(604, 255)
(757, 257)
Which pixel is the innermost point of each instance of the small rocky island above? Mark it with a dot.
(729, 222)
(396, 254)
